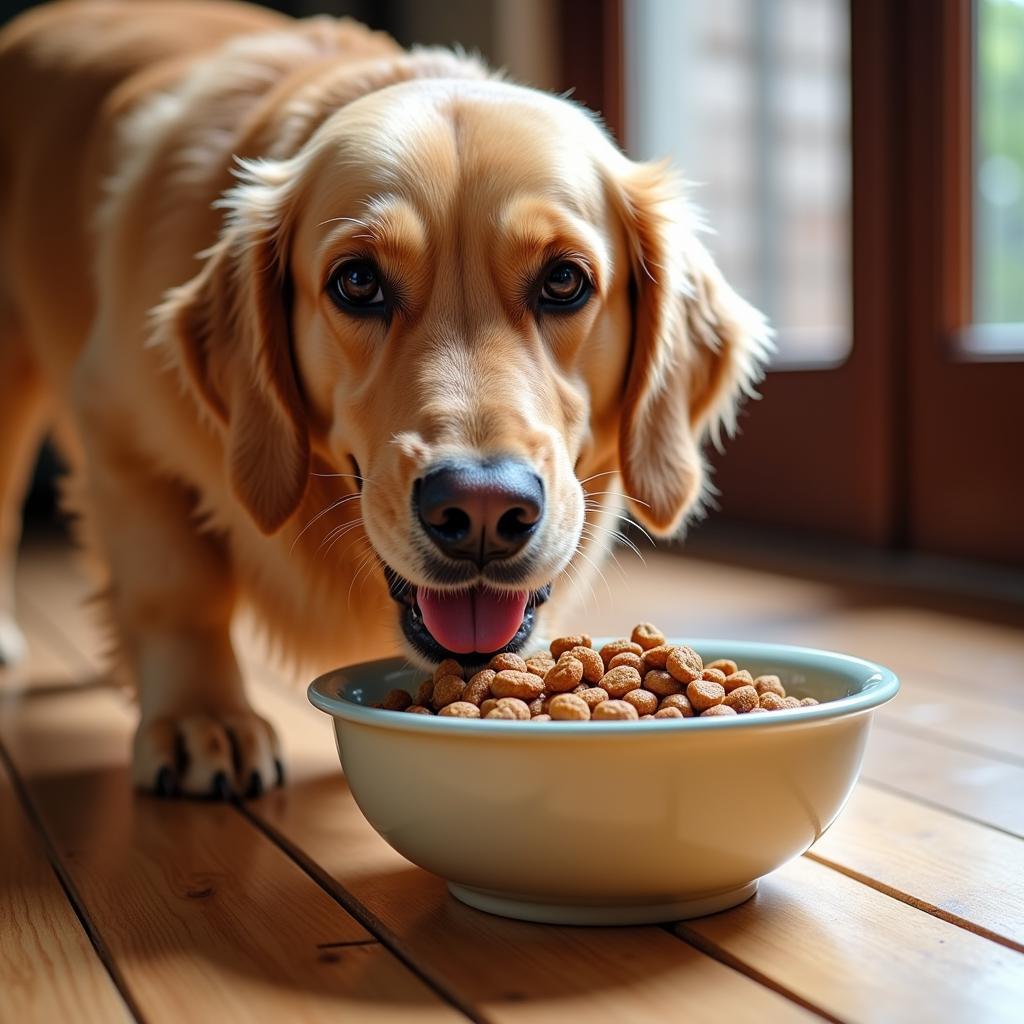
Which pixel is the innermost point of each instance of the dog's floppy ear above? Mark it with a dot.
(230, 328)
(697, 347)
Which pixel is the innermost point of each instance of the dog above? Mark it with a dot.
(362, 337)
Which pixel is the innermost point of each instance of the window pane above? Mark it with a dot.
(999, 164)
(751, 100)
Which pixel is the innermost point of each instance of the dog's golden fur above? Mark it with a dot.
(209, 405)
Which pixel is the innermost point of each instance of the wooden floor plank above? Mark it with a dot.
(967, 783)
(49, 970)
(972, 874)
(203, 915)
(863, 956)
(508, 971)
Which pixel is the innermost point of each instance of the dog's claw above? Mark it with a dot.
(279, 765)
(255, 786)
(221, 787)
(163, 786)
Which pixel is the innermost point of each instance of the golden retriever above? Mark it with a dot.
(434, 318)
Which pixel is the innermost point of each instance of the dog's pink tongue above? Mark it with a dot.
(472, 620)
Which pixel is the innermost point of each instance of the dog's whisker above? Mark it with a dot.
(585, 532)
(319, 516)
(619, 536)
(597, 476)
(617, 494)
(347, 476)
(597, 569)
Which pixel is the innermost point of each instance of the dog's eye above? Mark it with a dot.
(565, 286)
(356, 284)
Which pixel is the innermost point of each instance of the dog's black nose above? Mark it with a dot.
(480, 510)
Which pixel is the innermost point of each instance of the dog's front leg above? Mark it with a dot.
(171, 598)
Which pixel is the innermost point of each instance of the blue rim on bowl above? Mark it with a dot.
(338, 693)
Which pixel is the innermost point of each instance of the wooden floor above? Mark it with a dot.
(290, 908)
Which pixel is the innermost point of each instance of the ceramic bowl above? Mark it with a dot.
(608, 822)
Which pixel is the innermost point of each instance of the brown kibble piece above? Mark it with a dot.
(510, 708)
(684, 664)
(770, 701)
(647, 718)
(716, 710)
(424, 693)
(564, 676)
(656, 656)
(509, 661)
(617, 647)
(478, 689)
(627, 658)
(488, 706)
(619, 681)
(567, 707)
(447, 690)
(643, 700)
(742, 699)
(790, 702)
(541, 718)
(460, 709)
(808, 702)
(511, 683)
(396, 700)
(418, 709)
(680, 702)
(758, 711)
(769, 684)
(448, 667)
(741, 677)
(647, 635)
(703, 694)
(536, 706)
(614, 710)
(724, 665)
(593, 664)
(659, 682)
(670, 712)
(539, 666)
(713, 675)
(567, 643)
(593, 695)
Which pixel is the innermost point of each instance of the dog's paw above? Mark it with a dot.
(220, 756)
(12, 642)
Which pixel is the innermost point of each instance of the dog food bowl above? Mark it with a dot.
(600, 823)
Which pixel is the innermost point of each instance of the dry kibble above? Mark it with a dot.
(619, 681)
(790, 702)
(656, 656)
(564, 676)
(593, 695)
(647, 718)
(703, 694)
(539, 665)
(647, 635)
(758, 711)
(448, 667)
(541, 718)
(536, 706)
(808, 702)
(487, 706)
(567, 707)
(460, 709)
(424, 693)
(684, 664)
(714, 675)
(617, 647)
(670, 712)
(418, 709)
(724, 665)
(614, 709)
(447, 690)
(658, 681)
(718, 709)
(593, 664)
(396, 700)
(770, 701)
(741, 677)
(769, 684)
(519, 709)
(567, 643)
(478, 689)
(643, 700)
(627, 658)
(510, 683)
(680, 702)
(742, 699)
(509, 661)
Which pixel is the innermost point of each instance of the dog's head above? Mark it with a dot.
(465, 291)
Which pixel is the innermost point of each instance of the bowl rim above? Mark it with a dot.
(881, 686)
